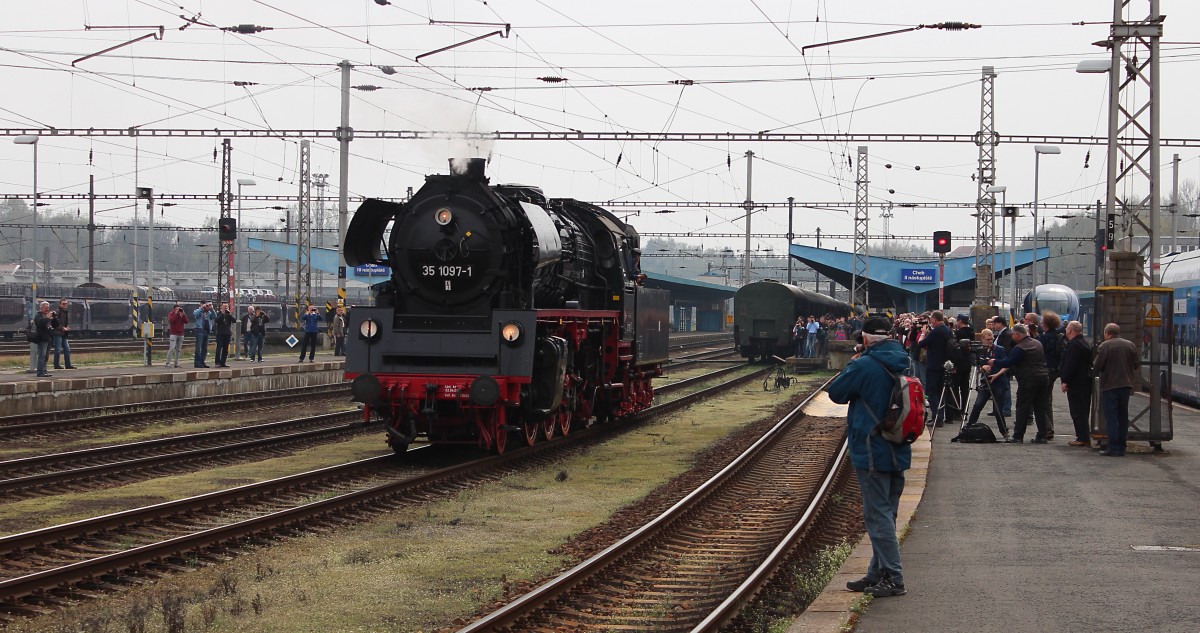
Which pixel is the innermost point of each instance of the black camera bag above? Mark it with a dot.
(976, 433)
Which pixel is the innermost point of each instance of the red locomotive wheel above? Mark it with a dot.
(548, 424)
(531, 430)
(565, 418)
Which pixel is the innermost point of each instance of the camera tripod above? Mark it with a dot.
(949, 395)
(981, 394)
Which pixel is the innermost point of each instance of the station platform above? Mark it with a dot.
(111, 384)
(1033, 538)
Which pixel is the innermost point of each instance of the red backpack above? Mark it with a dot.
(904, 420)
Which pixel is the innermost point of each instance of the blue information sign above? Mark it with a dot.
(918, 275)
(371, 269)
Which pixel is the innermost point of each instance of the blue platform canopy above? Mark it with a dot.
(323, 259)
(910, 286)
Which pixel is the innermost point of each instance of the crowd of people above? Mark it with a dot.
(811, 335)
(1037, 353)
(252, 330)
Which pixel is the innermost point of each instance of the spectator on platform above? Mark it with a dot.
(203, 318)
(44, 323)
(935, 341)
(1076, 373)
(176, 321)
(840, 330)
(866, 384)
(1004, 340)
(799, 333)
(224, 331)
(58, 337)
(998, 380)
(1053, 341)
(246, 334)
(258, 330)
(337, 329)
(1117, 363)
(810, 338)
(310, 319)
(1033, 324)
(1028, 363)
(962, 369)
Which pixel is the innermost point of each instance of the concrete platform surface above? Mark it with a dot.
(1035, 538)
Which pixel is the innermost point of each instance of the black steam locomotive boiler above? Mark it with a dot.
(506, 312)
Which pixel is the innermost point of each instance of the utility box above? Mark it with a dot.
(1145, 315)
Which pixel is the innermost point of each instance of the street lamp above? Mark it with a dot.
(1038, 150)
(241, 182)
(32, 139)
(1003, 191)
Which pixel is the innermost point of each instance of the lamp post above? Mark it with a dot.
(241, 182)
(1038, 150)
(1011, 213)
(1003, 191)
(32, 139)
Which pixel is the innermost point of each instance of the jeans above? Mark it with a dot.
(1115, 403)
(43, 350)
(247, 345)
(309, 343)
(174, 346)
(201, 356)
(982, 396)
(881, 502)
(1002, 389)
(1050, 380)
(59, 341)
(810, 346)
(1079, 400)
(339, 346)
(258, 345)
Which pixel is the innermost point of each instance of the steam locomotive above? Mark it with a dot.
(505, 312)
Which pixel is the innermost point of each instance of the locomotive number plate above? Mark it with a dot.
(446, 270)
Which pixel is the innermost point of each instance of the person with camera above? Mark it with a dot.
(176, 320)
(310, 319)
(258, 333)
(1076, 374)
(204, 317)
(1003, 339)
(223, 326)
(990, 382)
(44, 323)
(1028, 363)
(935, 342)
(964, 337)
(866, 384)
(58, 338)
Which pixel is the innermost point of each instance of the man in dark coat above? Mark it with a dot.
(58, 336)
(878, 464)
(935, 342)
(224, 330)
(1075, 371)
(1028, 363)
(962, 367)
(1117, 363)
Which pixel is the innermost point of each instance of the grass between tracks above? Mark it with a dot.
(424, 567)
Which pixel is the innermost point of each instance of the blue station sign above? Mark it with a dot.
(918, 275)
(372, 269)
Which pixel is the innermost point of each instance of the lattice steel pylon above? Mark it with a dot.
(225, 249)
(985, 207)
(861, 264)
(304, 230)
(1133, 128)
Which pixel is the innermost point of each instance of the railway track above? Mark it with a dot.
(17, 349)
(73, 421)
(109, 466)
(695, 566)
(45, 566)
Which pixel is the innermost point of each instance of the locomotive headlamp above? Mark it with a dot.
(443, 216)
(369, 330)
(511, 332)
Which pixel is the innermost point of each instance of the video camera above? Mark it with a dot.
(978, 351)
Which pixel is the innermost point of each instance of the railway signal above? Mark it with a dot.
(941, 241)
(227, 229)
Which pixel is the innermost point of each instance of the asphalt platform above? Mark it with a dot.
(1027, 537)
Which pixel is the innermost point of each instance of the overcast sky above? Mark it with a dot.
(619, 59)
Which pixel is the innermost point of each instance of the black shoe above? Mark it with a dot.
(1038, 440)
(861, 585)
(205, 366)
(885, 588)
(44, 375)
(57, 367)
(1013, 440)
(1108, 453)
(72, 367)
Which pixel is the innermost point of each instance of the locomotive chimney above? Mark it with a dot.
(470, 167)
